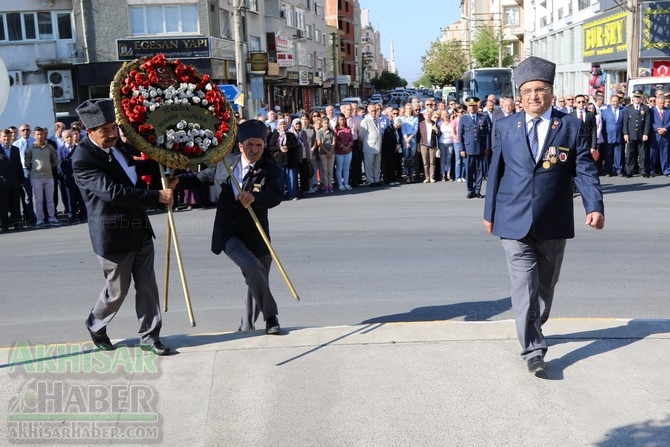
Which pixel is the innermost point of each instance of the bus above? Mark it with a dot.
(481, 82)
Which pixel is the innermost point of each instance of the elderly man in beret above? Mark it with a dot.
(536, 155)
(234, 230)
(118, 225)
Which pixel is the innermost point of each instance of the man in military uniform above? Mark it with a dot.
(474, 132)
(636, 128)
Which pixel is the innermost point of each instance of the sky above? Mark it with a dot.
(413, 25)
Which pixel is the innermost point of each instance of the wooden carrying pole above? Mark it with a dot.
(262, 233)
(173, 231)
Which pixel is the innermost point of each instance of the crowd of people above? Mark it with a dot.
(336, 150)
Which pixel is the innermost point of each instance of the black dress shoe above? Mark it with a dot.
(536, 365)
(479, 196)
(470, 195)
(272, 326)
(157, 348)
(101, 341)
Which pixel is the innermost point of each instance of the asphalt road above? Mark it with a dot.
(409, 253)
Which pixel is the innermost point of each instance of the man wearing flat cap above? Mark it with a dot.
(118, 225)
(474, 133)
(529, 201)
(234, 230)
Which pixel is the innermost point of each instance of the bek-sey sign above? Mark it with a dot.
(604, 38)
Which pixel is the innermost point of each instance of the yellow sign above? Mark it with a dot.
(604, 38)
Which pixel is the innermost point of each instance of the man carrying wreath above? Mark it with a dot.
(234, 230)
(119, 227)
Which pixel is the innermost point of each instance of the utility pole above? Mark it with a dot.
(334, 36)
(240, 57)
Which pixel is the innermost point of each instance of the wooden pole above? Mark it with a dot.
(262, 233)
(175, 240)
(167, 267)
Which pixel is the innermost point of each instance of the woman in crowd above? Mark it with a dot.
(325, 141)
(344, 141)
(459, 162)
(391, 149)
(430, 135)
(304, 154)
(317, 176)
(410, 126)
(446, 144)
(284, 149)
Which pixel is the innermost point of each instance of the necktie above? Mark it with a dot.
(616, 114)
(660, 112)
(581, 115)
(533, 138)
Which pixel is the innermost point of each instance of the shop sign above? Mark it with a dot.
(258, 62)
(129, 49)
(604, 38)
(285, 59)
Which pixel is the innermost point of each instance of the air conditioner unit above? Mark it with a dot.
(61, 83)
(15, 78)
(299, 33)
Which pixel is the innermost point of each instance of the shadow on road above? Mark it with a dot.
(469, 311)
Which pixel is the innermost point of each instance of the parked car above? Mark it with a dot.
(376, 98)
(353, 100)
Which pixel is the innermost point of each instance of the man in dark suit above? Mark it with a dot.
(118, 225)
(589, 119)
(536, 155)
(636, 129)
(234, 230)
(11, 181)
(660, 138)
(613, 130)
(474, 133)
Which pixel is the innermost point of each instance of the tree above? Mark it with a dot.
(387, 81)
(444, 62)
(485, 49)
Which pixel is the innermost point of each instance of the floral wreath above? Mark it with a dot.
(172, 112)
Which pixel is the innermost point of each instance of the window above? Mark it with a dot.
(317, 35)
(288, 15)
(252, 5)
(582, 4)
(16, 27)
(300, 19)
(511, 16)
(254, 43)
(226, 24)
(167, 19)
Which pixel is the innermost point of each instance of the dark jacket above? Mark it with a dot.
(636, 124)
(11, 171)
(590, 123)
(290, 158)
(117, 220)
(232, 219)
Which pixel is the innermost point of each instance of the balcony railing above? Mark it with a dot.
(56, 51)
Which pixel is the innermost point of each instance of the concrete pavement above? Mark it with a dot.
(445, 383)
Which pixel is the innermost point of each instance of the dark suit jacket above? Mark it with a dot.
(657, 122)
(475, 137)
(522, 193)
(612, 127)
(11, 171)
(591, 126)
(636, 124)
(117, 220)
(232, 219)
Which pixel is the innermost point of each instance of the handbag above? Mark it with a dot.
(596, 155)
(438, 154)
(408, 162)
